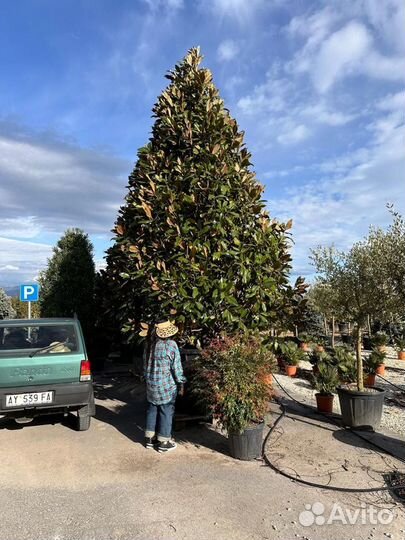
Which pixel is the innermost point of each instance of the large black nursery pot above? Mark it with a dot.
(187, 404)
(363, 409)
(248, 444)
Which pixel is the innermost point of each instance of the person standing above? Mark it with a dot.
(164, 378)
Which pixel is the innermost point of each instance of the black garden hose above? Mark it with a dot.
(316, 484)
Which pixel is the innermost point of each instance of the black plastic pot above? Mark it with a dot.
(248, 444)
(187, 404)
(361, 409)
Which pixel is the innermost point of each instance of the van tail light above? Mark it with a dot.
(85, 370)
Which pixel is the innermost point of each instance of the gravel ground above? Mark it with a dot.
(393, 418)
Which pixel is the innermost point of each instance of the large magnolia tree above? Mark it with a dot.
(193, 240)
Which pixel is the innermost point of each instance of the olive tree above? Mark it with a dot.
(387, 252)
(355, 292)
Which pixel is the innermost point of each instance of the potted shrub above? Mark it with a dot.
(229, 378)
(305, 342)
(266, 373)
(292, 356)
(325, 382)
(379, 341)
(316, 357)
(374, 365)
(320, 344)
(400, 347)
(345, 361)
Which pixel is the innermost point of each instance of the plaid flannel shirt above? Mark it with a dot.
(163, 371)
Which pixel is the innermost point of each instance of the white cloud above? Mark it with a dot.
(383, 67)
(271, 96)
(156, 5)
(20, 227)
(20, 260)
(241, 10)
(315, 26)
(294, 134)
(227, 50)
(339, 208)
(388, 19)
(9, 268)
(322, 114)
(330, 54)
(392, 102)
(339, 55)
(58, 185)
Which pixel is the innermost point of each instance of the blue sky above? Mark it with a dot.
(318, 87)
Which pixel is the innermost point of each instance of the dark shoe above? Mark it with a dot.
(166, 446)
(150, 442)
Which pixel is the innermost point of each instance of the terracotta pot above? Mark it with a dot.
(401, 355)
(291, 370)
(380, 370)
(268, 379)
(324, 403)
(320, 348)
(305, 347)
(370, 379)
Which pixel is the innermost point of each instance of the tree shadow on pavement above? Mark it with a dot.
(356, 438)
(368, 439)
(125, 410)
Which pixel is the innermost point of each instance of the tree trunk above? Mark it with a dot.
(369, 326)
(333, 331)
(296, 332)
(360, 383)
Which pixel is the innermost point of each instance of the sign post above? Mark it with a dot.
(29, 293)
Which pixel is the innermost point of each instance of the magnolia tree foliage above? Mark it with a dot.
(67, 284)
(6, 307)
(193, 241)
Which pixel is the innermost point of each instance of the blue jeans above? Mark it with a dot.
(159, 420)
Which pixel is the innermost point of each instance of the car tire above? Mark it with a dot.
(83, 422)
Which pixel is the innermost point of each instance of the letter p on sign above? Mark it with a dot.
(29, 292)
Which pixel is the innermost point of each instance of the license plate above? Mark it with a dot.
(33, 398)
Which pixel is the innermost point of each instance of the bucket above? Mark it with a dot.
(248, 444)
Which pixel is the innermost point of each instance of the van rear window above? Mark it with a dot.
(59, 338)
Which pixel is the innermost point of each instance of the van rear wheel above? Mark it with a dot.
(83, 422)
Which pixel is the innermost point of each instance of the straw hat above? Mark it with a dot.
(166, 329)
(58, 347)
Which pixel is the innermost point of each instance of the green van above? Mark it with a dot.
(44, 369)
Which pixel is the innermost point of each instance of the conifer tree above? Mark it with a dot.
(67, 284)
(193, 241)
(6, 307)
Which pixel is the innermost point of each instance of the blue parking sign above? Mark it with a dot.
(29, 292)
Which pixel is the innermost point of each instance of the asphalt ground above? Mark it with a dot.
(57, 483)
